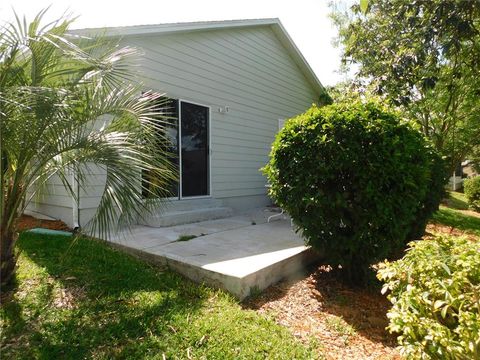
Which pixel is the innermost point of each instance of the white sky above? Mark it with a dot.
(306, 21)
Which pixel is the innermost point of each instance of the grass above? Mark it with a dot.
(452, 214)
(83, 299)
(456, 200)
(186, 237)
(454, 218)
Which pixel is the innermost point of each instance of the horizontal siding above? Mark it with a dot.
(56, 200)
(240, 192)
(247, 70)
(53, 194)
(234, 172)
(204, 73)
(222, 148)
(205, 52)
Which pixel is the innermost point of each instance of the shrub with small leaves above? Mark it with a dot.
(435, 292)
(434, 195)
(471, 188)
(354, 178)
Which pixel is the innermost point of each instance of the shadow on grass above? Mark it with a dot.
(456, 219)
(456, 200)
(78, 299)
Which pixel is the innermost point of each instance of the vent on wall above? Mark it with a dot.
(223, 109)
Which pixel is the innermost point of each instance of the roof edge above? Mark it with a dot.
(167, 28)
(173, 27)
(298, 57)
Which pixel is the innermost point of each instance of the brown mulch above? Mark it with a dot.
(27, 222)
(310, 304)
(319, 306)
(434, 228)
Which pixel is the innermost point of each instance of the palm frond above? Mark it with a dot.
(69, 103)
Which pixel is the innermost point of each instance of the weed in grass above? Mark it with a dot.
(186, 237)
(254, 292)
(315, 345)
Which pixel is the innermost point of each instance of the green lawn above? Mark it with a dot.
(450, 214)
(456, 200)
(86, 300)
(457, 219)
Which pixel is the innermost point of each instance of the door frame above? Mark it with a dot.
(209, 151)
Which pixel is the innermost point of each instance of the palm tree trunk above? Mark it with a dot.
(8, 260)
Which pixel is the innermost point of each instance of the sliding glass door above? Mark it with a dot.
(195, 151)
(187, 131)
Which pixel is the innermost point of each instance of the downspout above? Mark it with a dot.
(75, 203)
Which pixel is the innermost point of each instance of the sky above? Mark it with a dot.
(306, 21)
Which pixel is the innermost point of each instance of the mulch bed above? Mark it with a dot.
(314, 306)
(310, 304)
(27, 222)
(433, 229)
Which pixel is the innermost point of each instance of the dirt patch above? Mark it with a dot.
(27, 222)
(348, 323)
(68, 298)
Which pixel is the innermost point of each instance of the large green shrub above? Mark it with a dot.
(435, 293)
(435, 193)
(471, 188)
(353, 177)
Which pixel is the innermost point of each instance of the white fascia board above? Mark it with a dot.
(172, 27)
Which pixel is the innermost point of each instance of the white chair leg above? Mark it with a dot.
(275, 215)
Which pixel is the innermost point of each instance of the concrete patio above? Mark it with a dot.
(240, 254)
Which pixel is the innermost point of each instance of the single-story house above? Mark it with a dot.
(232, 83)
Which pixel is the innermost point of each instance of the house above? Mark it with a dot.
(231, 83)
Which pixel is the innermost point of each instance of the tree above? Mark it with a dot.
(422, 56)
(55, 90)
(474, 156)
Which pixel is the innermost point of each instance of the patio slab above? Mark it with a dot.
(240, 254)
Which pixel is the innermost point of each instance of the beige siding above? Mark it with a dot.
(247, 70)
(53, 200)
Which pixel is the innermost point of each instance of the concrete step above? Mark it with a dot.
(192, 204)
(178, 217)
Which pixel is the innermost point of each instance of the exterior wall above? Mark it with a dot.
(53, 201)
(245, 69)
(90, 196)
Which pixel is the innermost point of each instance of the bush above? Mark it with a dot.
(435, 193)
(471, 188)
(353, 178)
(435, 291)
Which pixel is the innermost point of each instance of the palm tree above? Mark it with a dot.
(66, 104)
